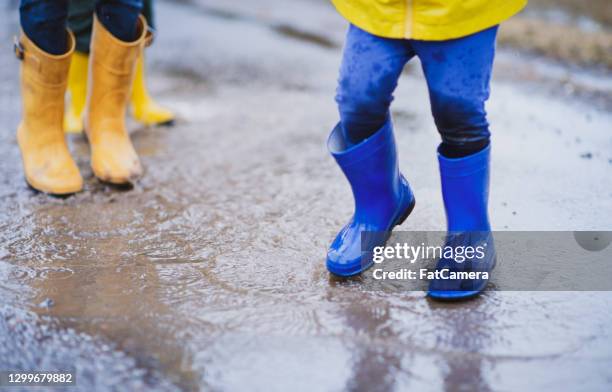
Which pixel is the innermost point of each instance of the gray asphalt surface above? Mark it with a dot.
(209, 274)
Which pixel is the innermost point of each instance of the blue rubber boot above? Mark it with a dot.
(382, 196)
(465, 190)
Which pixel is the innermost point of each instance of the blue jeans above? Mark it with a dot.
(457, 73)
(44, 21)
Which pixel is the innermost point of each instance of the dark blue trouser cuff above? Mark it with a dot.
(44, 21)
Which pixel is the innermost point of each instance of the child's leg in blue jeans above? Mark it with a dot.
(120, 17)
(369, 72)
(44, 21)
(458, 73)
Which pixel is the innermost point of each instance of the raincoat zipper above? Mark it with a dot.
(408, 24)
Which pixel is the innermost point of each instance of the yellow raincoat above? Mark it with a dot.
(429, 20)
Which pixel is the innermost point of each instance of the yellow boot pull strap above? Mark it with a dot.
(149, 37)
(18, 48)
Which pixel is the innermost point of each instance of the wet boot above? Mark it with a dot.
(112, 65)
(465, 190)
(144, 109)
(77, 87)
(382, 197)
(47, 162)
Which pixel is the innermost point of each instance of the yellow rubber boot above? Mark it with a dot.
(47, 162)
(77, 87)
(112, 64)
(144, 108)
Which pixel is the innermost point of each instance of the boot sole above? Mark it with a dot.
(167, 123)
(452, 296)
(118, 182)
(60, 194)
(406, 213)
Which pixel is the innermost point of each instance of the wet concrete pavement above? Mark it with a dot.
(210, 273)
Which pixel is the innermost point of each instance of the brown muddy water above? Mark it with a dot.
(209, 274)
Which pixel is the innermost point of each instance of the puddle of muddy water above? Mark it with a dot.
(206, 273)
